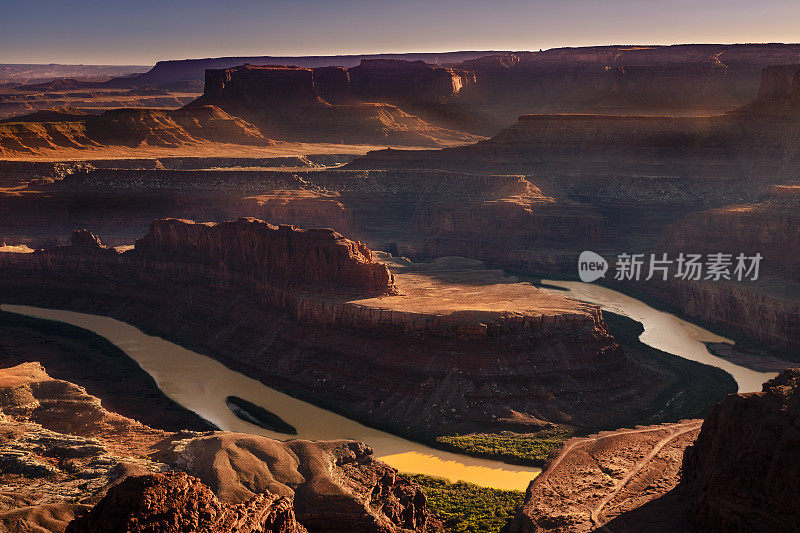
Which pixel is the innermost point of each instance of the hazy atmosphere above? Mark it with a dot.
(140, 33)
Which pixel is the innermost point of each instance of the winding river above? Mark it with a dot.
(662, 330)
(202, 384)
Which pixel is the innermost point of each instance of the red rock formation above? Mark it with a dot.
(251, 253)
(388, 80)
(247, 292)
(335, 485)
(333, 85)
(177, 503)
(251, 85)
(286, 103)
(743, 471)
(129, 127)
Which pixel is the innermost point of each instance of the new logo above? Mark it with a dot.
(591, 266)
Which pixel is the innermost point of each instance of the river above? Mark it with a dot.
(663, 330)
(201, 384)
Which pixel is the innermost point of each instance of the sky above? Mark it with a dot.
(141, 32)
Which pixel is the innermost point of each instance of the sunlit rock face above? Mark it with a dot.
(317, 310)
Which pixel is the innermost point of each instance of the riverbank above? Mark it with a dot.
(80, 356)
(202, 385)
(692, 391)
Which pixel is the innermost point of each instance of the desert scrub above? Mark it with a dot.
(468, 508)
(517, 448)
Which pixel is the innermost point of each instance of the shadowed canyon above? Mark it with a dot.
(339, 293)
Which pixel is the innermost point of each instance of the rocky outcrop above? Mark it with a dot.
(252, 85)
(590, 481)
(251, 295)
(386, 80)
(137, 128)
(287, 103)
(739, 473)
(742, 471)
(62, 455)
(175, 502)
(335, 485)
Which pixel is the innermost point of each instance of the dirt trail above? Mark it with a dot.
(674, 432)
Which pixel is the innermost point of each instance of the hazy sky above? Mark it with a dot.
(144, 31)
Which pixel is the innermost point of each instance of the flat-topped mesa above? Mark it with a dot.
(374, 80)
(780, 82)
(251, 253)
(269, 85)
(415, 81)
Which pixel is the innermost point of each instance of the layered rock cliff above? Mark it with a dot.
(139, 128)
(755, 141)
(313, 310)
(287, 102)
(742, 472)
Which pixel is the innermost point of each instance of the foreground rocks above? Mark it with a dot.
(176, 502)
(738, 473)
(62, 454)
(743, 472)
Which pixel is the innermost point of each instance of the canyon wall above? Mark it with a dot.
(306, 326)
(286, 102)
(755, 141)
(742, 471)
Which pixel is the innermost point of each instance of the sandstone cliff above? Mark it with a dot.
(742, 472)
(252, 295)
(287, 102)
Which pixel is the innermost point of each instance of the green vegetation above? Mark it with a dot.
(468, 508)
(515, 448)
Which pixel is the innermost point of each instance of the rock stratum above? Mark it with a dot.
(742, 471)
(323, 105)
(415, 348)
(70, 465)
(736, 472)
(135, 128)
(757, 140)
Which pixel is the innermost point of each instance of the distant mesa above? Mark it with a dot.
(44, 131)
(755, 140)
(289, 102)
